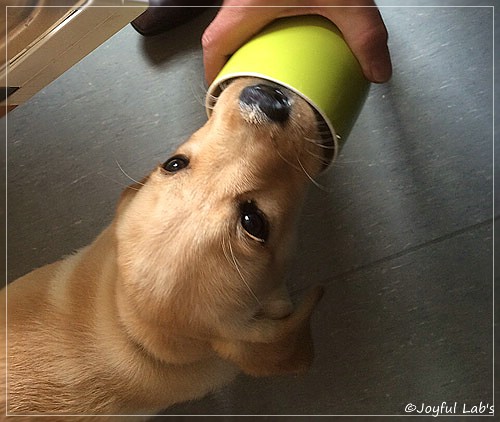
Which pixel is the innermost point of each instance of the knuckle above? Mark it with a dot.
(207, 39)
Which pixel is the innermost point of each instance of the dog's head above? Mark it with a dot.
(203, 242)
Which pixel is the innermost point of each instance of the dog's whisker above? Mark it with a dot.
(198, 98)
(223, 85)
(283, 157)
(121, 184)
(127, 175)
(320, 155)
(318, 185)
(213, 98)
(197, 94)
(319, 143)
(236, 265)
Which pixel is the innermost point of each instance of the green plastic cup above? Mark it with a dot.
(308, 55)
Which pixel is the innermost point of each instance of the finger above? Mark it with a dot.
(364, 31)
(230, 29)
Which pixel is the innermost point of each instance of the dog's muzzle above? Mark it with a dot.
(268, 100)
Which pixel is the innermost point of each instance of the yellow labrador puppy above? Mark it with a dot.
(185, 288)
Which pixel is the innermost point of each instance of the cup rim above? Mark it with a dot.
(214, 90)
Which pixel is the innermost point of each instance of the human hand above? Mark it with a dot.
(362, 28)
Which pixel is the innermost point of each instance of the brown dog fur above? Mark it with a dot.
(173, 299)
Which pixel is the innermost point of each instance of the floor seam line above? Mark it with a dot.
(412, 249)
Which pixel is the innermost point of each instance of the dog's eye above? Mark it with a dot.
(176, 163)
(254, 221)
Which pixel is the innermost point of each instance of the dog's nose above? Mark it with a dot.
(268, 99)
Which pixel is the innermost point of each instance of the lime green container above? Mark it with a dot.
(308, 55)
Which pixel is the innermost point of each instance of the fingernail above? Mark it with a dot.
(380, 72)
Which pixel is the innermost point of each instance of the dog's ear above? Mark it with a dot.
(285, 345)
(129, 193)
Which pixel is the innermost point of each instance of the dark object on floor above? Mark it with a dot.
(162, 15)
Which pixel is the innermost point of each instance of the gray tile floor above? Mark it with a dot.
(401, 234)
